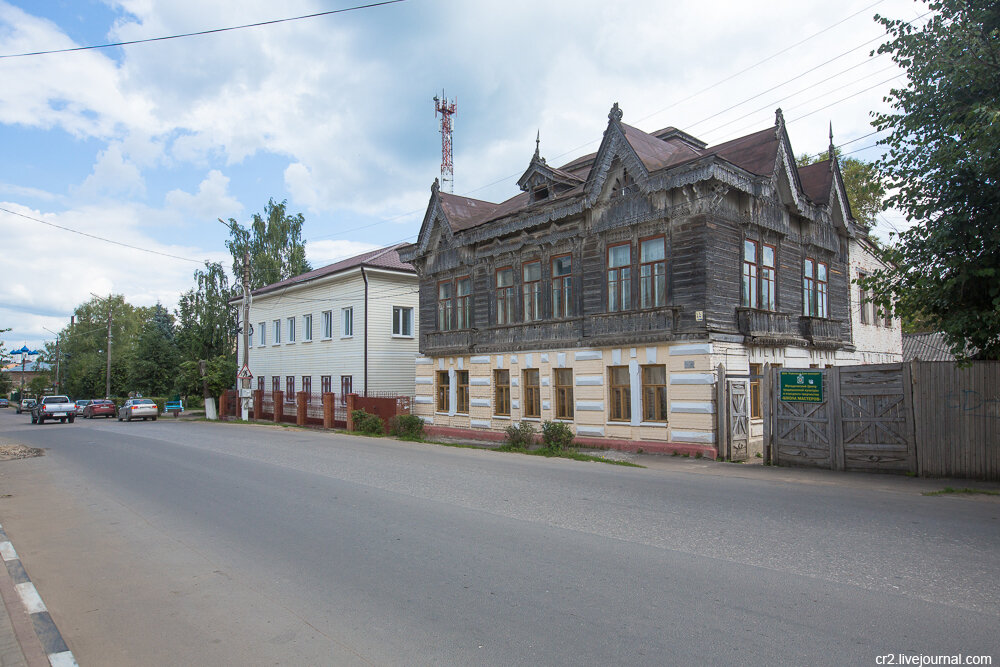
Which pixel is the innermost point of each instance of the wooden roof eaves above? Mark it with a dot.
(434, 215)
(614, 144)
(523, 220)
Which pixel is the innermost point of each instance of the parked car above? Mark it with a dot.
(4, 403)
(81, 404)
(53, 407)
(135, 408)
(99, 407)
(25, 405)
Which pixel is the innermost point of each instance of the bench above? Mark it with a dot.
(176, 407)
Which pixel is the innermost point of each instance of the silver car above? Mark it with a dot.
(136, 408)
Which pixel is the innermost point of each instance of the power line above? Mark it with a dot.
(100, 238)
(200, 32)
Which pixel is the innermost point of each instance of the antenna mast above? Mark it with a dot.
(447, 108)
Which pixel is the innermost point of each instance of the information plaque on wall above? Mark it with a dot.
(801, 386)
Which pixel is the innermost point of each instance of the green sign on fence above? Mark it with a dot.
(801, 386)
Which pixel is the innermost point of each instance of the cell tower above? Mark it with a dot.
(447, 108)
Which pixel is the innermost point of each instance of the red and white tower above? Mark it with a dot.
(447, 108)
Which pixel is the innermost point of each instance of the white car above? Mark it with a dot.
(136, 408)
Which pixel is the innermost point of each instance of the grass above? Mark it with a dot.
(949, 490)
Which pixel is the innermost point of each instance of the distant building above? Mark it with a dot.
(926, 347)
(348, 327)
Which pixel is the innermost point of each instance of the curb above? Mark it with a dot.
(45, 628)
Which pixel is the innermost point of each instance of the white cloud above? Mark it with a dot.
(113, 174)
(321, 253)
(211, 201)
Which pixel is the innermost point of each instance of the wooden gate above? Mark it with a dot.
(863, 419)
(738, 432)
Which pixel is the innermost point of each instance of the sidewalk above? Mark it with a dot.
(19, 643)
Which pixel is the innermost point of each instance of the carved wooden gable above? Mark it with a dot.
(615, 159)
(435, 231)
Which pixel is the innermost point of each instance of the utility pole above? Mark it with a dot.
(244, 377)
(58, 337)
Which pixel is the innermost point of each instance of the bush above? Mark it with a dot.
(519, 436)
(408, 427)
(366, 423)
(556, 435)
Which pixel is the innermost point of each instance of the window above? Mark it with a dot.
(654, 393)
(327, 324)
(325, 384)
(462, 393)
(291, 329)
(289, 388)
(402, 321)
(864, 301)
(307, 387)
(564, 393)
(619, 278)
(347, 322)
(621, 393)
(346, 387)
(532, 394)
(275, 383)
(464, 302)
(307, 327)
(501, 392)
(531, 275)
(260, 383)
(444, 306)
(277, 332)
(505, 295)
(652, 273)
(814, 288)
(755, 372)
(263, 333)
(541, 192)
(443, 389)
(562, 286)
(758, 276)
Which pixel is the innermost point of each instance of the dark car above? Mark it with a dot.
(99, 407)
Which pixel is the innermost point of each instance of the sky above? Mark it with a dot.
(119, 161)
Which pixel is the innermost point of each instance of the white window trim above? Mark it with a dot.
(307, 331)
(409, 335)
(330, 337)
(290, 321)
(344, 334)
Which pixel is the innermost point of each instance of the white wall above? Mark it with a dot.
(390, 358)
(875, 342)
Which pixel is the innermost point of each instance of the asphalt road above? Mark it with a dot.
(195, 543)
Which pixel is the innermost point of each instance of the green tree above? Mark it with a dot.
(274, 243)
(84, 346)
(153, 365)
(865, 188)
(206, 322)
(5, 381)
(942, 168)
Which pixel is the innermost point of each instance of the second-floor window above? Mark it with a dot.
(814, 288)
(562, 286)
(347, 320)
(531, 274)
(291, 329)
(445, 320)
(619, 277)
(758, 275)
(864, 301)
(652, 273)
(307, 327)
(505, 295)
(263, 333)
(277, 332)
(327, 324)
(463, 302)
(402, 321)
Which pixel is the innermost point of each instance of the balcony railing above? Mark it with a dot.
(765, 327)
(820, 330)
(632, 324)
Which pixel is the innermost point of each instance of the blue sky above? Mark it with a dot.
(149, 144)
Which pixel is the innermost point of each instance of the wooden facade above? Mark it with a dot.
(643, 244)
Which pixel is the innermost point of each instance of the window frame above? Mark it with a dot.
(506, 296)
(656, 410)
(531, 393)
(562, 285)
(398, 331)
(815, 292)
(326, 384)
(275, 383)
(346, 387)
(307, 387)
(291, 329)
(501, 393)
(277, 332)
(759, 280)
(307, 328)
(446, 306)
(347, 322)
(756, 373)
(621, 285)
(327, 325)
(531, 293)
(654, 278)
(289, 388)
(442, 391)
(462, 392)
(463, 303)
(263, 334)
(564, 407)
(620, 395)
